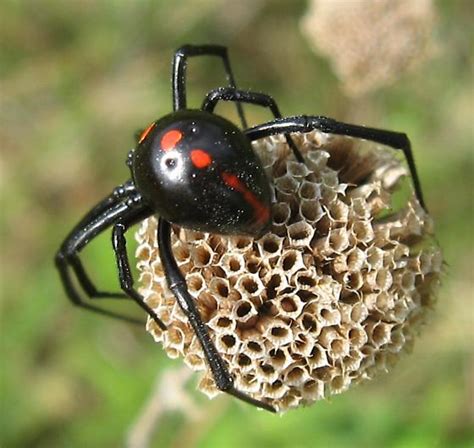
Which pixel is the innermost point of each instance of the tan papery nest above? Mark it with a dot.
(330, 297)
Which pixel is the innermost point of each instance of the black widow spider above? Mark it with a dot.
(196, 169)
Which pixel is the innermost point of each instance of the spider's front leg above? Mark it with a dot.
(119, 193)
(125, 273)
(114, 208)
(177, 284)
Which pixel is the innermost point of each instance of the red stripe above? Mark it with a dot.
(146, 132)
(261, 212)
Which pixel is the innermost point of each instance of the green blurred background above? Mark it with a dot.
(78, 78)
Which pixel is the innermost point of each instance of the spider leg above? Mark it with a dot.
(242, 96)
(87, 284)
(177, 285)
(179, 73)
(303, 123)
(102, 216)
(118, 194)
(125, 273)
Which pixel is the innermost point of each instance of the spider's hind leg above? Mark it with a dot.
(244, 96)
(180, 62)
(177, 285)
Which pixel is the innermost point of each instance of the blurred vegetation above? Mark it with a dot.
(78, 79)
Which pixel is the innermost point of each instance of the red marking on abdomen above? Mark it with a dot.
(200, 158)
(146, 132)
(169, 140)
(262, 213)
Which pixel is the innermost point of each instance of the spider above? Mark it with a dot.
(196, 169)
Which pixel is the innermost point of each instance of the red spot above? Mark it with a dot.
(169, 140)
(200, 158)
(146, 132)
(262, 213)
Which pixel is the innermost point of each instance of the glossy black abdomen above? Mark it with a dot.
(198, 170)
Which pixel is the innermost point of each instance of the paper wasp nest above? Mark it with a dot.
(330, 297)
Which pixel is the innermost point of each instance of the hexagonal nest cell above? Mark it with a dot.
(331, 296)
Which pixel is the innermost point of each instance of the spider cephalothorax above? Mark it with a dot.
(196, 169)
